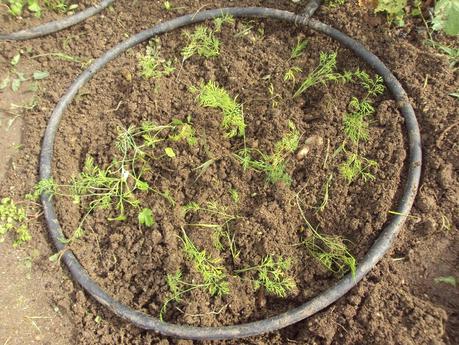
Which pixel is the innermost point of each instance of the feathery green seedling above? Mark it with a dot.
(177, 287)
(355, 124)
(225, 19)
(330, 250)
(298, 49)
(213, 96)
(185, 131)
(325, 189)
(60, 6)
(374, 87)
(357, 166)
(234, 195)
(153, 66)
(211, 270)
(220, 228)
(13, 217)
(291, 73)
(274, 165)
(202, 42)
(273, 276)
(321, 74)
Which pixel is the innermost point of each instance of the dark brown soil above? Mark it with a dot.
(397, 303)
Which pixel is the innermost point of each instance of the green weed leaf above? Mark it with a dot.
(146, 217)
(170, 152)
(39, 75)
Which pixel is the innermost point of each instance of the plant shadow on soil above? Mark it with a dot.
(397, 303)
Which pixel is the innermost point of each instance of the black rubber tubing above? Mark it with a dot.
(57, 25)
(375, 253)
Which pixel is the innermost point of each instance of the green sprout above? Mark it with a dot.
(272, 275)
(153, 66)
(357, 166)
(274, 165)
(213, 96)
(298, 49)
(13, 218)
(211, 270)
(330, 250)
(291, 73)
(202, 42)
(321, 74)
(355, 124)
(225, 19)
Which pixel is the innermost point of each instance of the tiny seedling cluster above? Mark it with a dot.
(13, 218)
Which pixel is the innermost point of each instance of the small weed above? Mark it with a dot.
(272, 275)
(225, 19)
(395, 10)
(211, 270)
(213, 96)
(446, 17)
(146, 217)
(13, 217)
(357, 166)
(321, 74)
(153, 66)
(298, 49)
(202, 42)
(60, 6)
(335, 3)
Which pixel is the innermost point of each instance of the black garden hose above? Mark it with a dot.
(376, 252)
(57, 25)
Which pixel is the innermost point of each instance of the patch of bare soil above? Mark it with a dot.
(398, 302)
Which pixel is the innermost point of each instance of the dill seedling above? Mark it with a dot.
(177, 288)
(374, 87)
(357, 166)
(291, 73)
(211, 270)
(329, 250)
(153, 66)
(274, 165)
(185, 131)
(355, 124)
(13, 217)
(273, 276)
(202, 42)
(220, 228)
(234, 195)
(325, 189)
(222, 20)
(213, 96)
(298, 49)
(321, 74)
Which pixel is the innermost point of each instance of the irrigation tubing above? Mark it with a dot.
(57, 25)
(375, 253)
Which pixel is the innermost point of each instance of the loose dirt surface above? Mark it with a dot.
(397, 303)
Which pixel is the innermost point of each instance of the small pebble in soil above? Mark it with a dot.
(312, 141)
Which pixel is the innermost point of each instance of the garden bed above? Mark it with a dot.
(245, 217)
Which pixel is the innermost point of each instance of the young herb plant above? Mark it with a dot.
(274, 165)
(213, 96)
(357, 166)
(13, 218)
(273, 276)
(202, 42)
(153, 66)
(225, 19)
(326, 71)
(211, 270)
(331, 251)
(298, 49)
